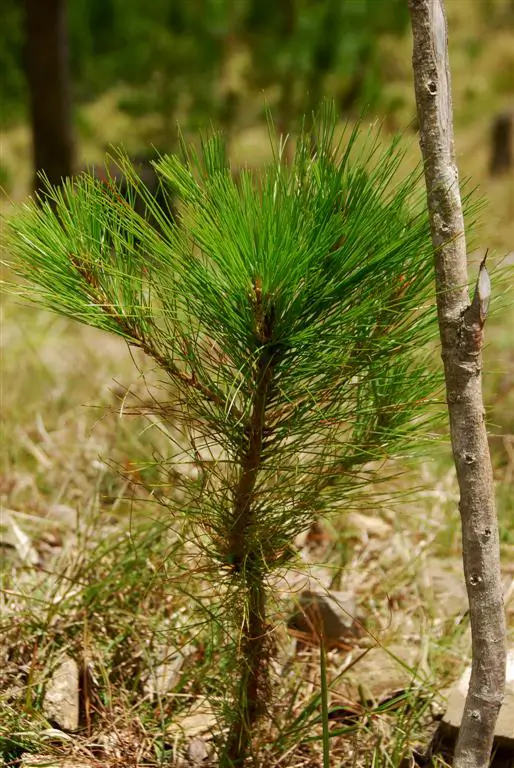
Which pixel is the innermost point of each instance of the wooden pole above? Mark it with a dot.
(461, 326)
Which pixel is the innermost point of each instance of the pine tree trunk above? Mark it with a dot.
(254, 673)
(461, 328)
(247, 562)
(48, 74)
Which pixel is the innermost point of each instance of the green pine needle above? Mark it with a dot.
(316, 277)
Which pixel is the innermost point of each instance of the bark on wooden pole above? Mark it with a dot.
(461, 327)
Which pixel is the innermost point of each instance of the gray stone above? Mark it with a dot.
(199, 720)
(296, 580)
(442, 585)
(61, 700)
(368, 525)
(378, 672)
(504, 732)
(326, 614)
(165, 674)
(12, 536)
(198, 751)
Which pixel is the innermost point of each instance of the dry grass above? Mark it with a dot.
(111, 584)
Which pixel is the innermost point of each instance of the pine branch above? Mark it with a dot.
(146, 342)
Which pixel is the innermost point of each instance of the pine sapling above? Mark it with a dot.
(291, 311)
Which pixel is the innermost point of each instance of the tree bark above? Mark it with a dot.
(247, 563)
(461, 327)
(48, 74)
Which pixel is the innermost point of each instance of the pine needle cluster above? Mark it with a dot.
(293, 313)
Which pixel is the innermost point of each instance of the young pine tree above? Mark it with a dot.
(292, 313)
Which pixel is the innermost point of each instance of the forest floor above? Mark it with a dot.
(100, 574)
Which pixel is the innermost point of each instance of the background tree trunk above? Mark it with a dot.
(501, 144)
(48, 74)
(461, 326)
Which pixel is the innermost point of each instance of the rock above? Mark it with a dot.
(368, 525)
(61, 700)
(200, 719)
(296, 580)
(379, 672)
(442, 584)
(313, 542)
(325, 613)
(504, 732)
(198, 751)
(65, 515)
(12, 536)
(165, 674)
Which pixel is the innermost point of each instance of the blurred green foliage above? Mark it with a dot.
(178, 54)
(299, 42)
(12, 81)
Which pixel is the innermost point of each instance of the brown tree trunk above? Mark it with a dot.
(48, 74)
(461, 327)
(501, 144)
(253, 687)
(247, 564)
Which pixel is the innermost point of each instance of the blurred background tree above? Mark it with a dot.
(298, 46)
(49, 86)
(222, 61)
(199, 60)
